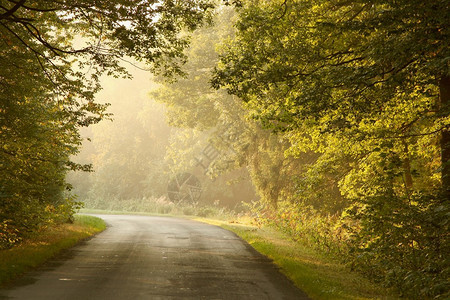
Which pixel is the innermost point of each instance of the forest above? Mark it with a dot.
(327, 119)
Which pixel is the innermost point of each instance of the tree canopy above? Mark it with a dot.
(337, 110)
(364, 85)
(52, 54)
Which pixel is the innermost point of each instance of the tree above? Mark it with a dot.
(52, 54)
(208, 119)
(106, 32)
(365, 81)
(338, 63)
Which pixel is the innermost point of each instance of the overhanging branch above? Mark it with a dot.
(11, 11)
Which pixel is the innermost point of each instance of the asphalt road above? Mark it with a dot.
(144, 257)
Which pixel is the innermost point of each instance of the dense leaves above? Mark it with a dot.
(353, 97)
(363, 85)
(52, 54)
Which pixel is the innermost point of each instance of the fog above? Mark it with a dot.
(141, 163)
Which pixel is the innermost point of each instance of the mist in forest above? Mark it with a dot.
(331, 119)
(179, 145)
(141, 163)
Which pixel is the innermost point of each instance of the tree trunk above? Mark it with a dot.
(444, 90)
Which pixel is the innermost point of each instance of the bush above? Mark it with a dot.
(9, 236)
(402, 243)
(20, 218)
(408, 247)
(305, 224)
(160, 206)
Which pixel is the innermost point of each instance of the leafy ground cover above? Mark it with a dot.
(44, 244)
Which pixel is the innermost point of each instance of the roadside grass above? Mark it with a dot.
(44, 244)
(122, 212)
(318, 275)
(181, 211)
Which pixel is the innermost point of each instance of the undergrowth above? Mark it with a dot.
(163, 206)
(43, 244)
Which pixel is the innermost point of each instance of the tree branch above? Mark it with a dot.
(10, 12)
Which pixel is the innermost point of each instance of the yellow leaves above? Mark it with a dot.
(50, 208)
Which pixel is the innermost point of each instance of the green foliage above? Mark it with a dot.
(159, 206)
(213, 118)
(44, 244)
(403, 242)
(362, 90)
(8, 235)
(52, 55)
(207, 118)
(306, 225)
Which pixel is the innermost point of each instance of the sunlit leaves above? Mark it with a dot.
(358, 83)
(52, 55)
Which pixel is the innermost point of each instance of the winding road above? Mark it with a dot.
(147, 257)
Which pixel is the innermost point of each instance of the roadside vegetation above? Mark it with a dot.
(331, 119)
(52, 56)
(318, 272)
(342, 133)
(162, 206)
(48, 241)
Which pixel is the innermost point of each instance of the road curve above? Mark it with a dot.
(146, 257)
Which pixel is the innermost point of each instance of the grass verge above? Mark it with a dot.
(44, 244)
(318, 275)
(121, 212)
